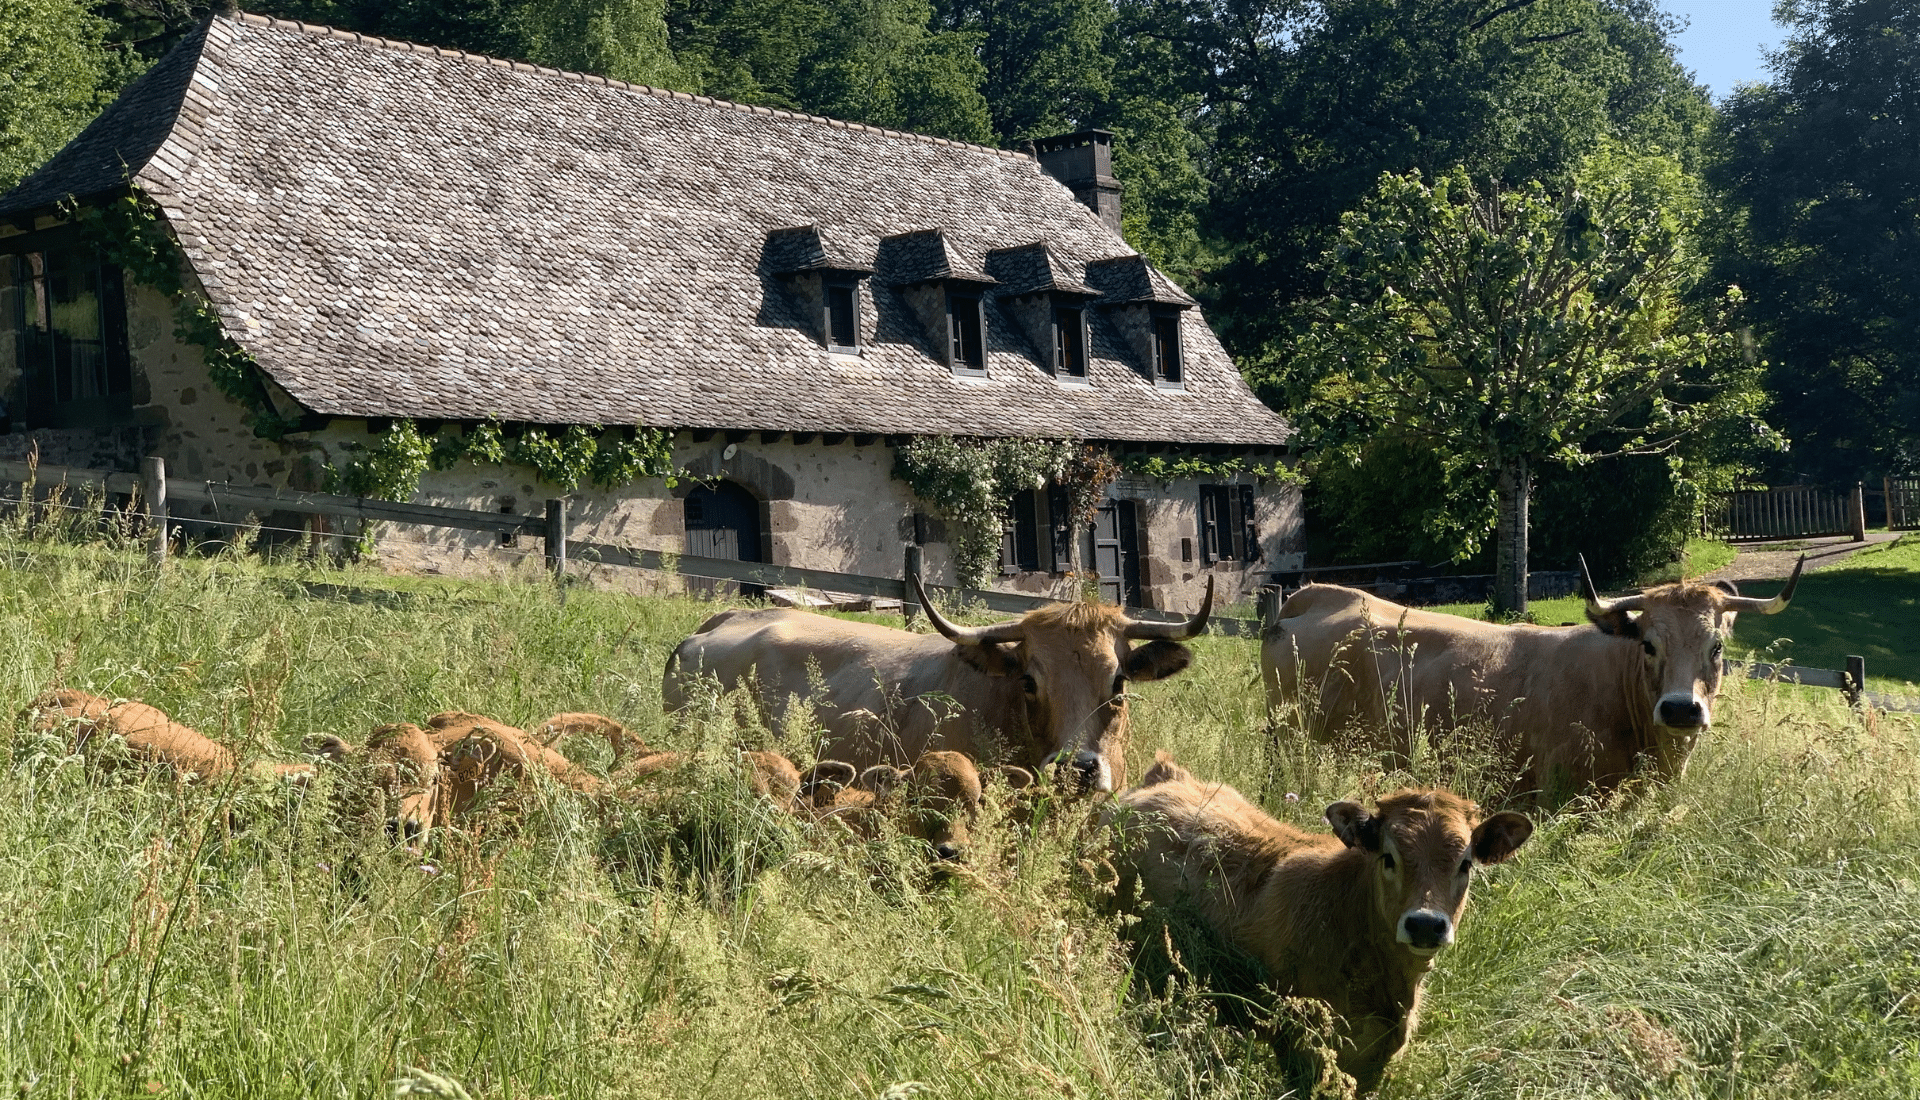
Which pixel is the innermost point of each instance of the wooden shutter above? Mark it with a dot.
(1249, 526)
(1009, 556)
(1210, 522)
(1060, 525)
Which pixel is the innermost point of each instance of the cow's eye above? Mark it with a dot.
(1029, 685)
(1119, 685)
(1466, 865)
(1386, 861)
(1718, 649)
(1648, 646)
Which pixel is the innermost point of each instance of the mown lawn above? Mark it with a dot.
(1752, 930)
(1867, 605)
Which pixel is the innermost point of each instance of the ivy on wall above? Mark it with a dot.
(391, 469)
(1173, 467)
(968, 483)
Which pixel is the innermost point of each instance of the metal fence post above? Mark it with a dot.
(1856, 680)
(153, 487)
(557, 538)
(909, 607)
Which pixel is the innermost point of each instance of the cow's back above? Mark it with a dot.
(837, 666)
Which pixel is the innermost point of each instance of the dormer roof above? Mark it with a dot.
(798, 249)
(926, 256)
(1035, 269)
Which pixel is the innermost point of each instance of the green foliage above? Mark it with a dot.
(1819, 171)
(968, 482)
(388, 470)
(1500, 329)
(623, 39)
(876, 61)
(610, 458)
(1046, 69)
(59, 73)
(1170, 467)
(128, 232)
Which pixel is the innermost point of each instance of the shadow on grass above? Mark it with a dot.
(1867, 607)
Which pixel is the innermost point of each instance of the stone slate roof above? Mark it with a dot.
(1033, 269)
(398, 230)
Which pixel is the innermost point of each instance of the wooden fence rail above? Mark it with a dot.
(1794, 511)
(152, 485)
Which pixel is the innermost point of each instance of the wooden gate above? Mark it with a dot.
(1797, 511)
(1903, 503)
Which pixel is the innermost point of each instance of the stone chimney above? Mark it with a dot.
(1083, 161)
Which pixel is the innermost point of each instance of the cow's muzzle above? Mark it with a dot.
(1081, 771)
(1682, 711)
(1426, 931)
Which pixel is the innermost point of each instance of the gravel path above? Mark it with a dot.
(1773, 561)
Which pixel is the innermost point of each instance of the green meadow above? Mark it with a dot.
(1751, 930)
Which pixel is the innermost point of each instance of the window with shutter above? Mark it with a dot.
(843, 317)
(1249, 526)
(1212, 522)
(966, 330)
(1060, 524)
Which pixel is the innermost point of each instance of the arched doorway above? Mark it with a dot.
(723, 521)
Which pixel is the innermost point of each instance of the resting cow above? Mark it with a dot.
(936, 800)
(1574, 706)
(150, 736)
(1354, 919)
(402, 780)
(1049, 686)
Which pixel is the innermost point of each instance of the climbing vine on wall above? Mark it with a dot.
(129, 234)
(968, 482)
(1175, 466)
(607, 457)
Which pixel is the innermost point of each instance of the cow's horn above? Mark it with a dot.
(1773, 606)
(1175, 631)
(1009, 631)
(1597, 606)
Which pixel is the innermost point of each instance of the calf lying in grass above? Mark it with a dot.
(936, 800)
(1354, 919)
(150, 737)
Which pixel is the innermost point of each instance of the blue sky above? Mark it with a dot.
(1722, 44)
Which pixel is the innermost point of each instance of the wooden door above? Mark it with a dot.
(1116, 552)
(723, 521)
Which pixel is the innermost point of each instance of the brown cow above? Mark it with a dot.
(1573, 706)
(1354, 919)
(151, 737)
(1052, 684)
(402, 766)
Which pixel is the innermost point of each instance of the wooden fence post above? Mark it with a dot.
(1856, 680)
(557, 538)
(1859, 516)
(1268, 606)
(1886, 494)
(153, 487)
(910, 607)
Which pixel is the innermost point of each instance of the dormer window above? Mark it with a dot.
(1167, 361)
(966, 333)
(1069, 342)
(842, 321)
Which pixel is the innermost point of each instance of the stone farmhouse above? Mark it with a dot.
(377, 232)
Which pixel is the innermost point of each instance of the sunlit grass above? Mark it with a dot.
(1748, 931)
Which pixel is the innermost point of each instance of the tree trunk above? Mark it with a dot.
(1510, 540)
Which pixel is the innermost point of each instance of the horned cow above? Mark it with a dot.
(1049, 687)
(1354, 919)
(1575, 706)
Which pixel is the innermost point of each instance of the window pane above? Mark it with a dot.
(22, 315)
(1166, 348)
(1070, 343)
(964, 319)
(842, 331)
(79, 338)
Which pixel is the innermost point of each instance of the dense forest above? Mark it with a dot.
(1742, 279)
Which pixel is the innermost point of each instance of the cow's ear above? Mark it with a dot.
(992, 658)
(1354, 825)
(1157, 660)
(1015, 777)
(880, 780)
(1499, 836)
(1618, 623)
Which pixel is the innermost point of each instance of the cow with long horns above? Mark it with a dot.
(1047, 688)
(1576, 706)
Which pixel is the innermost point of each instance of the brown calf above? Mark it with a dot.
(935, 800)
(151, 737)
(1353, 919)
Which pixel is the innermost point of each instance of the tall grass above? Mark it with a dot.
(1751, 930)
